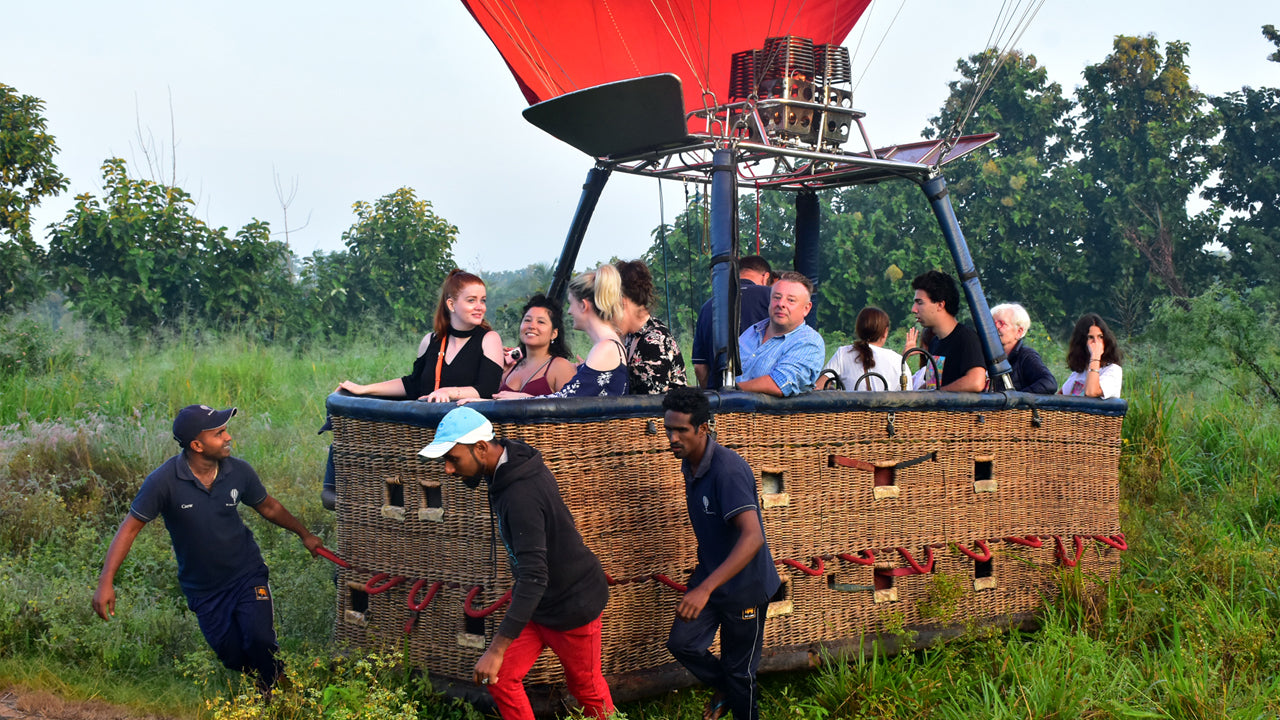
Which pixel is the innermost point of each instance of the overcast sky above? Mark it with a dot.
(354, 100)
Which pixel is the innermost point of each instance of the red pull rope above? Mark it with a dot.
(975, 556)
(1061, 551)
(382, 582)
(818, 570)
(865, 557)
(329, 555)
(485, 612)
(413, 592)
(669, 582)
(1029, 541)
(1116, 541)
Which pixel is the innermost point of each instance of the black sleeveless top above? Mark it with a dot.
(469, 368)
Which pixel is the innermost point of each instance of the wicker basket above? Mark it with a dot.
(835, 480)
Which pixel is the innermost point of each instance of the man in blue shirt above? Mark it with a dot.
(199, 492)
(782, 355)
(753, 306)
(735, 578)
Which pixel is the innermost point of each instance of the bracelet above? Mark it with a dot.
(1094, 370)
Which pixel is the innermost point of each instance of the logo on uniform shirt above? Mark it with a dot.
(235, 496)
(749, 614)
(706, 505)
(187, 506)
(260, 592)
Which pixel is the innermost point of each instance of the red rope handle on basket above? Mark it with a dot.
(821, 566)
(387, 582)
(413, 592)
(1061, 551)
(1029, 541)
(1116, 541)
(975, 556)
(416, 608)
(915, 569)
(868, 557)
(486, 612)
(329, 555)
(669, 582)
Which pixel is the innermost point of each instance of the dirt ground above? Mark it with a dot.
(19, 704)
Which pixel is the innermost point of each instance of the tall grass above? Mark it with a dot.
(1187, 630)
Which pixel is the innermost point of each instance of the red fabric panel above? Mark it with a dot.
(558, 46)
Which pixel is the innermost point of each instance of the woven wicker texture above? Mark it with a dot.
(980, 476)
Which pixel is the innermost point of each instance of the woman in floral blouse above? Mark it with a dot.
(654, 362)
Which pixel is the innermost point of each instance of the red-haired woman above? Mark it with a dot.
(460, 358)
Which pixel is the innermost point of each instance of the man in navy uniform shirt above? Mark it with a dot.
(735, 578)
(199, 492)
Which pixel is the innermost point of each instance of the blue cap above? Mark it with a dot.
(195, 419)
(462, 425)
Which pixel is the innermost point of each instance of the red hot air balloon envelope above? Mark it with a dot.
(615, 78)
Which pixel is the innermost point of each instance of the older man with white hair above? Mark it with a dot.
(1029, 372)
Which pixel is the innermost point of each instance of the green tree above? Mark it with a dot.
(1247, 159)
(27, 174)
(1144, 139)
(1019, 199)
(139, 258)
(403, 251)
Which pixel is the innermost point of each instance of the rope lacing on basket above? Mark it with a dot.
(816, 565)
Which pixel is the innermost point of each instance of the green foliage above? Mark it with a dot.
(1221, 335)
(1248, 162)
(341, 688)
(139, 258)
(27, 175)
(29, 348)
(1144, 138)
(398, 254)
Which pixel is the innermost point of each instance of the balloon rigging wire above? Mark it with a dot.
(992, 64)
(682, 45)
(878, 46)
(533, 49)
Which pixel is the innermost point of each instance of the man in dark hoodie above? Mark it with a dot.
(560, 588)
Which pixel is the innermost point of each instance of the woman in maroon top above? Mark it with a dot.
(460, 358)
(544, 365)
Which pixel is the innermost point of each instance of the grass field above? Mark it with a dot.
(1188, 629)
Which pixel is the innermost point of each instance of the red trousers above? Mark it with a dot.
(579, 653)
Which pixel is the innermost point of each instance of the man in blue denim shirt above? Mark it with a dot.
(781, 355)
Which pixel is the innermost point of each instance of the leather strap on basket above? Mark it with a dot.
(856, 464)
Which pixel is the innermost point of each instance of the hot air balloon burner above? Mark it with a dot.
(789, 91)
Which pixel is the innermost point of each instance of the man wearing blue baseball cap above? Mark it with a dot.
(560, 589)
(198, 492)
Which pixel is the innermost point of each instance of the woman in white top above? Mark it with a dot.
(866, 354)
(1094, 359)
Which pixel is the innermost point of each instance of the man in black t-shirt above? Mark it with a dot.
(955, 348)
(199, 492)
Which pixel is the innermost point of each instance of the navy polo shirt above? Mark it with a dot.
(753, 307)
(721, 488)
(212, 544)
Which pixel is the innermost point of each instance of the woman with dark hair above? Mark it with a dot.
(544, 366)
(1094, 359)
(460, 358)
(654, 362)
(866, 354)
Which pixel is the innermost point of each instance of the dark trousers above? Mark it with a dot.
(734, 672)
(238, 623)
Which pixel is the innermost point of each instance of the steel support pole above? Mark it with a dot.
(935, 188)
(591, 189)
(724, 284)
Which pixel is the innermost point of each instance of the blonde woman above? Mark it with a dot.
(595, 303)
